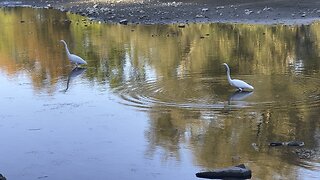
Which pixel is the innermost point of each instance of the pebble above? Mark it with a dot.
(199, 16)
(123, 21)
(181, 25)
(267, 8)
(248, 11)
(220, 7)
(204, 9)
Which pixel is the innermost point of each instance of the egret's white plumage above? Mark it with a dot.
(72, 57)
(239, 84)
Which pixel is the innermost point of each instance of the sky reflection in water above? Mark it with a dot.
(154, 101)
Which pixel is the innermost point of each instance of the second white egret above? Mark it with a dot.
(72, 57)
(239, 84)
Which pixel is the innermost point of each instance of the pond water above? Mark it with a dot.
(154, 101)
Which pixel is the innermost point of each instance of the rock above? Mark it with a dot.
(248, 11)
(199, 16)
(181, 25)
(295, 143)
(123, 21)
(204, 9)
(276, 144)
(290, 143)
(239, 171)
(220, 7)
(267, 8)
(2, 177)
(255, 146)
(49, 6)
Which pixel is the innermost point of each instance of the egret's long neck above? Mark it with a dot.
(228, 74)
(66, 46)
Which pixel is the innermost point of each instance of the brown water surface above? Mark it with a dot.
(154, 101)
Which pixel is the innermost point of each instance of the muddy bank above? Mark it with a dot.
(186, 11)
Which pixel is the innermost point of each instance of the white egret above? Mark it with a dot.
(72, 57)
(239, 84)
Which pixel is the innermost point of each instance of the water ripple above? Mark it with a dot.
(197, 93)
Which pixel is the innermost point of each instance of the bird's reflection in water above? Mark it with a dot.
(73, 74)
(237, 98)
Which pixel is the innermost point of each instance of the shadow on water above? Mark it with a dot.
(174, 76)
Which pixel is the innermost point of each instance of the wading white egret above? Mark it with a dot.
(239, 84)
(72, 57)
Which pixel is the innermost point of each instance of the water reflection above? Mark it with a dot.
(175, 76)
(239, 96)
(73, 74)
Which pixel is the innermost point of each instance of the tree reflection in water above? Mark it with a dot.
(177, 78)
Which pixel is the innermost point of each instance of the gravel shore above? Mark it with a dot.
(186, 11)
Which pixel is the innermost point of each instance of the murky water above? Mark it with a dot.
(153, 101)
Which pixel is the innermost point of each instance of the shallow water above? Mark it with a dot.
(153, 101)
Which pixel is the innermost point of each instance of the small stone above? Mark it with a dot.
(181, 25)
(123, 21)
(267, 8)
(204, 9)
(276, 144)
(220, 7)
(248, 11)
(199, 16)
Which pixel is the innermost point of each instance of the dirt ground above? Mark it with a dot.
(186, 11)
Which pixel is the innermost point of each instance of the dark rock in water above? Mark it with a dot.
(295, 143)
(239, 172)
(2, 177)
(276, 144)
(290, 143)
